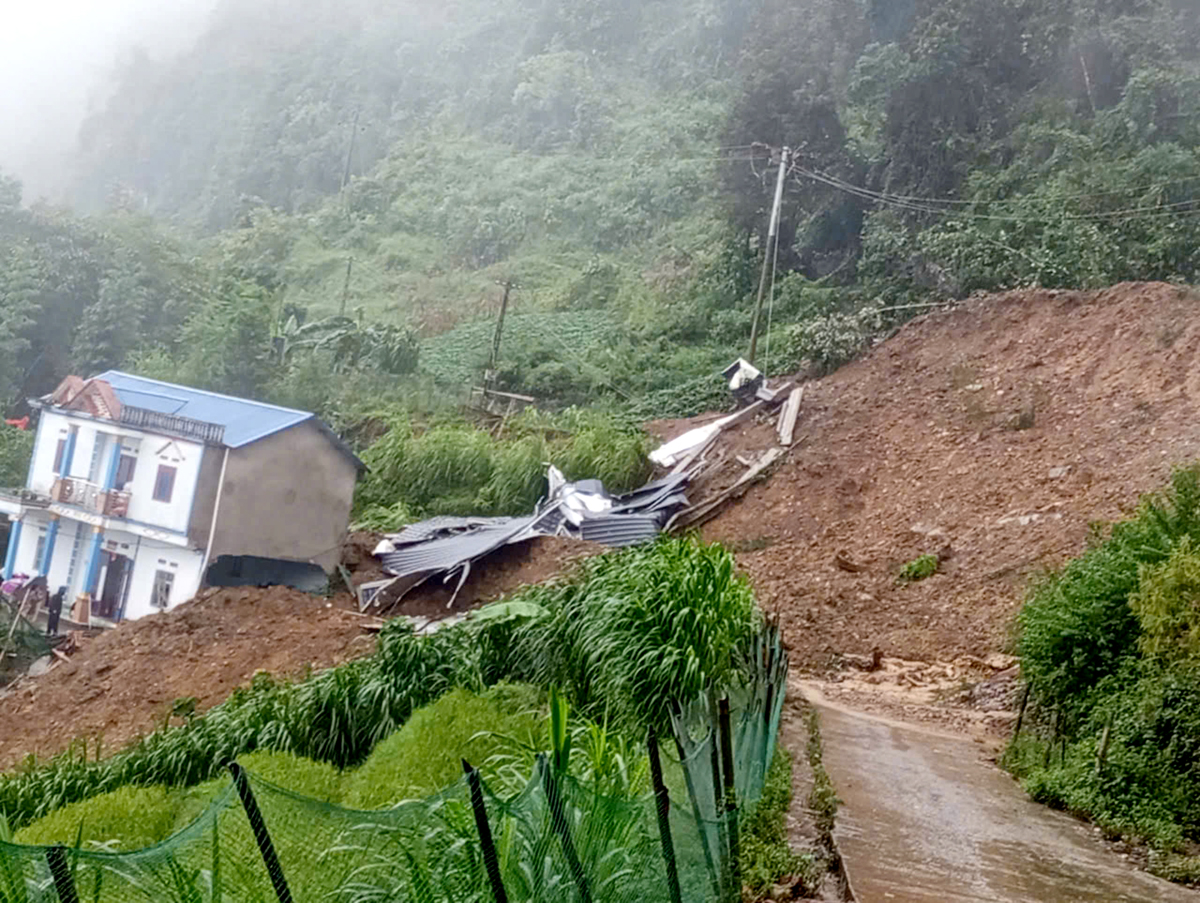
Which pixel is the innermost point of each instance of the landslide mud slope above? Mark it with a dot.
(993, 434)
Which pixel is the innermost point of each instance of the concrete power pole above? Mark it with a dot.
(508, 285)
(772, 243)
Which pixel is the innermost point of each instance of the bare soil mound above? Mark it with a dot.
(123, 683)
(990, 435)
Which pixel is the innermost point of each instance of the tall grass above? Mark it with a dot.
(626, 635)
(640, 629)
(458, 469)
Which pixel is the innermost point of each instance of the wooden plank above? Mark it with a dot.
(709, 508)
(789, 415)
(752, 410)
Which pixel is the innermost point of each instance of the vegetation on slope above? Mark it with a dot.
(1110, 647)
(629, 632)
(602, 156)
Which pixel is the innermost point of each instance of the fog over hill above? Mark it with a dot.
(56, 57)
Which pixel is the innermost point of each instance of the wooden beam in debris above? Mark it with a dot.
(755, 409)
(788, 416)
(708, 509)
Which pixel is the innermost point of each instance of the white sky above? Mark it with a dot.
(54, 55)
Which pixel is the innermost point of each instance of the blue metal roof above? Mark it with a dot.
(245, 421)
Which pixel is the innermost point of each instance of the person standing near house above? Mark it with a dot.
(54, 611)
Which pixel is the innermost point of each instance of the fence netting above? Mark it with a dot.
(21, 643)
(557, 840)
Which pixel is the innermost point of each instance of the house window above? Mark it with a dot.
(41, 550)
(59, 454)
(164, 483)
(163, 581)
(125, 469)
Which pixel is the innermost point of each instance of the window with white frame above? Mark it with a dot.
(163, 581)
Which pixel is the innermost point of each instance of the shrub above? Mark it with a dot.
(1077, 625)
(1167, 605)
(134, 817)
(919, 569)
(1111, 642)
(426, 754)
(766, 856)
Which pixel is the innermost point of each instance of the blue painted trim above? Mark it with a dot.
(93, 570)
(69, 452)
(14, 540)
(48, 554)
(114, 462)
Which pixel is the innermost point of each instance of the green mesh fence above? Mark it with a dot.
(21, 643)
(556, 840)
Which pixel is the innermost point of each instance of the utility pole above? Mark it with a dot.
(350, 151)
(508, 285)
(346, 286)
(772, 243)
(346, 206)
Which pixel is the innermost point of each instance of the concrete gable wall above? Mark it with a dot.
(285, 496)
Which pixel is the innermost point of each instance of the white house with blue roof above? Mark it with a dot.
(137, 486)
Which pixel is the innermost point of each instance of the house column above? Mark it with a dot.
(48, 554)
(93, 568)
(14, 540)
(114, 462)
(69, 453)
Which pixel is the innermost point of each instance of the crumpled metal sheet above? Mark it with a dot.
(447, 546)
(435, 527)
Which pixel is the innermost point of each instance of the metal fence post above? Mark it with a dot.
(490, 861)
(558, 819)
(731, 806)
(60, 870)
(261, 835)
(663, 800)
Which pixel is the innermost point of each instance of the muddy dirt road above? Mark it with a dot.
(925, 818)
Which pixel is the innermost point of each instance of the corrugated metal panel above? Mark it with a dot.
(445, 554)
(435, 526)
(621, 529)
(678, 500)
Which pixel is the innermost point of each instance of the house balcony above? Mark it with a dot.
(90, 497)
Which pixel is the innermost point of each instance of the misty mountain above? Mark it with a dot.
(345, 184)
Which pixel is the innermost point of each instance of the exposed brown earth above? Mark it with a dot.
(991, 434)
(123, 683)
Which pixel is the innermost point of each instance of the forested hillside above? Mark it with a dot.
(392, 161)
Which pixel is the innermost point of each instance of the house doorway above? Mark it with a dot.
(115, 580)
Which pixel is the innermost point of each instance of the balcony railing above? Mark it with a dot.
(90, 497)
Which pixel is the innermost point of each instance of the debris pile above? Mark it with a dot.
(448, 547)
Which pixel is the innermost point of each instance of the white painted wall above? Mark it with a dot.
(51, 428)
(148, 556)
(151, 557)
(185, 457)
(151, 451)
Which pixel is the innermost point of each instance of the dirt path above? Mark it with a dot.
(926, 818)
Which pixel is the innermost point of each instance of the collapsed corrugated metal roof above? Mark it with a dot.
(447, 546)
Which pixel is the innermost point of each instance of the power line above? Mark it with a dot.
(920, 206)
(1014, 200)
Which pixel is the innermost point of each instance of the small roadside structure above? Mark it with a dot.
(137, 486)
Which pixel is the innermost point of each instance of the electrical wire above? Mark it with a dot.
(1173, 209)
(1084, 195)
